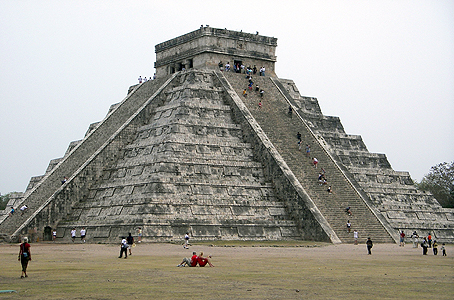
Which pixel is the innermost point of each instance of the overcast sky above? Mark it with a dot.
(386, 68)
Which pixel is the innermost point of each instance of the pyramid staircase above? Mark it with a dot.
(281, 129)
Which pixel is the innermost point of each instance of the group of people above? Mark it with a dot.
(126, 244)
(240, 68)
(257, 89)
(141, 80)
(22, 210)
(322, 175)
(355, 232)
(261, 92)
(196, 260)
(426, 242)
(83, 233)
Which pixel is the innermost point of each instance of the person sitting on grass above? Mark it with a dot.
(190, 262)
(204, 260)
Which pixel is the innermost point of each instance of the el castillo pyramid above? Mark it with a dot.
(188, 152)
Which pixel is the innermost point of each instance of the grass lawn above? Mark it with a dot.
(243, 270)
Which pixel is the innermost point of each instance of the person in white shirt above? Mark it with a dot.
(186, 238)
(54, 235)
(262, 71)
(124, 248)
(82, 234)
(73, 234)
(23, 209)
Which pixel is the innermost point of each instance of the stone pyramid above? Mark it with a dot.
(188, 152)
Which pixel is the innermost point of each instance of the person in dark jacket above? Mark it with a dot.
(369, 245)
(130, 241)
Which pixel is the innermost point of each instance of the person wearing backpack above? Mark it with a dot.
(24, 256)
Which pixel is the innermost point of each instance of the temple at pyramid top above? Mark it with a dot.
(204, 48)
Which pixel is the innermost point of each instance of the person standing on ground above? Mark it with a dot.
(139, 232)
(402, 239)
(443, 249)
(186, 241)
(435, 247)
(123, 248)
(24, 256)
(355, 236)
(369, 245)
(130, 241)
(73, 234)
(415, 238)
(54, 235)
(424, 246)
(429, 240)
(82, 234)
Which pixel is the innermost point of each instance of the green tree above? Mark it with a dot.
(440, 182)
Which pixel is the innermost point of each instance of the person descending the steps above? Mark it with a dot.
(308, 150)
(315, 162)
(298, 136)
(330, 190)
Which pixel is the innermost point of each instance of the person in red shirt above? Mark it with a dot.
(190, 262)
(402, 239)
(204, 260)
(24, 256)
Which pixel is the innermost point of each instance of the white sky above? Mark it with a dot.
(386, 68)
